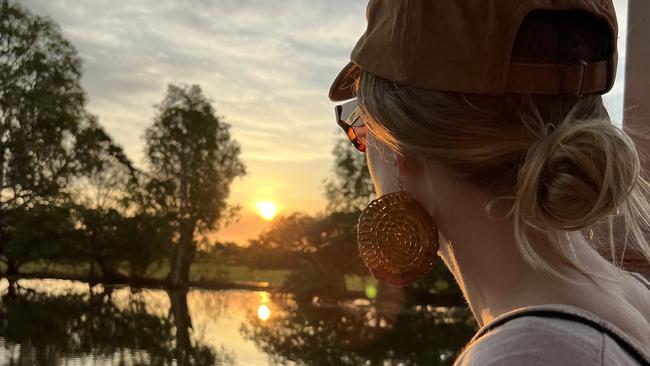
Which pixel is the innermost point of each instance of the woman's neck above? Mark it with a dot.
(483, 256)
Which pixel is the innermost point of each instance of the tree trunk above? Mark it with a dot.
(109, 274)
(12, 267)
(184, 254)
(183, 324)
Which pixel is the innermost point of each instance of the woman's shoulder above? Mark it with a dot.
(541, 340)
(535, 341)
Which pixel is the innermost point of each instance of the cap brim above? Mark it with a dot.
(342, 87)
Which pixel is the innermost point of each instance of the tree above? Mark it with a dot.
(350, 188)
(192, 162)
(47, 138)
(322, 250)
(111, 241)
(41, 107)
(144, 239)
(109, 180)
(42, 232)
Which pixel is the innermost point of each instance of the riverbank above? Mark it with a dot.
(202, 275)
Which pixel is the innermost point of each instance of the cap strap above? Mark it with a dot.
(566, 79)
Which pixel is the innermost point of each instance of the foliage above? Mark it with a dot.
(110, 239)
(44, 231)
(192, 162)
(146, 240)
(350, 188)
(47, 138)
(75, 234)
(45, 131)
(322, 251)
(109, 178)
(294, 232)
(255, 256)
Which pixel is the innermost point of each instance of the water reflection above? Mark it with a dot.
(361, 332)
(263, 312)
(96, 326)
(49, 322)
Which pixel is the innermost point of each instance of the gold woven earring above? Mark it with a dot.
(397, 239)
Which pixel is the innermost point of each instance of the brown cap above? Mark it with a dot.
(465, 46)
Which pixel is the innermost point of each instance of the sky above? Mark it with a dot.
(266, 65)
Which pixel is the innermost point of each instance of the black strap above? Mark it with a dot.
(549, 313)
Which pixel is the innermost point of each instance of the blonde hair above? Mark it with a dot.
(562, 162)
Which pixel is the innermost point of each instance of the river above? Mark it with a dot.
(57, 322)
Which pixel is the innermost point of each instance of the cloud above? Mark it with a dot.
(263, 63)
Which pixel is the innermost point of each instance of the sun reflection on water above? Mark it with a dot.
(263, 311)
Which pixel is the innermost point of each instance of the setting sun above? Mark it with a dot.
(267, 209)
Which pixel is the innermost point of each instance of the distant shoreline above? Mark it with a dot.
(146, 283)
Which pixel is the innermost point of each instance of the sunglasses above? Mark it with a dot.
(348, 117)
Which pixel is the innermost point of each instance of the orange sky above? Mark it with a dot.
(291, 185)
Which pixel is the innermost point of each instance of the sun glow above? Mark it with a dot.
(267, 209)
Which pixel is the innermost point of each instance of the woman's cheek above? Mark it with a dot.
(381, 164)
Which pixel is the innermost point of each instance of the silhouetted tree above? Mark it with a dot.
(42, 232)
(144, 239)
(323, 249)
(101, 240)
(47, 138)
(45, 131)
(72, 234)
(109, 179)
(192, 161)
(111, 241)
(350, 188)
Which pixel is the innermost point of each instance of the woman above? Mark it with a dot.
(488, 143)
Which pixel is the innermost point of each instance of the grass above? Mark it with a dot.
(54, 268)
(238, 273)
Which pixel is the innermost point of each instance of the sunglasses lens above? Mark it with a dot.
(360, 132)
(349, 115)
(348, 111)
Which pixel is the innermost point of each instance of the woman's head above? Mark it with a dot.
(558, 160)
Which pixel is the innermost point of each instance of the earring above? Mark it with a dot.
(397, 238)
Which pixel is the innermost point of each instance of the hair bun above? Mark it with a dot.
(576, 174)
